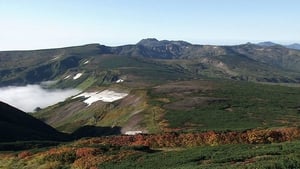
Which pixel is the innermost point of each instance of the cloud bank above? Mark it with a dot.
(27, 98)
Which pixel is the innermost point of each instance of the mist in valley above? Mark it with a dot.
(28, 98)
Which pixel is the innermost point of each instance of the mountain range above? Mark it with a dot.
(250, 62)
(157, 86)
(269, 44)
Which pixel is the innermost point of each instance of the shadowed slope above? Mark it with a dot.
(16, 125)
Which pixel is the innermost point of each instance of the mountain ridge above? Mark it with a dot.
(246, 61)
(295, 46)
(19, 126)
(161, 79)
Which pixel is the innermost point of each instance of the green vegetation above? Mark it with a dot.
(245, 106)
(153, 61)
(26, 145)
(88, 155)
(175, 90)
(282, 155)
(197, 105)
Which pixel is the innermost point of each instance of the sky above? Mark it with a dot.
(38, 24)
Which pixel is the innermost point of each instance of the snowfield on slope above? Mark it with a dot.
(78, 75)
(105, 96)
(67, 77)
(120, 81)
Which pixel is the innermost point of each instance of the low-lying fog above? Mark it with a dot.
(28, 98)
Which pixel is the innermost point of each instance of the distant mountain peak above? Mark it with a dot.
(154, 42)
(294, 46)
(148, 41)
(271, 44)
(267, 44)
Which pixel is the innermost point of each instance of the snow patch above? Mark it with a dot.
(133, 132)
(67, 77)
(57, 57)
(48, 83)
(78, 75)
(105, 96)
(120, 81)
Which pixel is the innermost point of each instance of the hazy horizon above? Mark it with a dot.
(204, 42)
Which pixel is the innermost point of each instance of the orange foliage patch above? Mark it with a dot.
(89, 153)
(86, 151)
(90, 160)
(195, 139)
(24, 154)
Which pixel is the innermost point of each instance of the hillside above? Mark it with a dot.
(165, 86)
(249, 149)
(173, 59)
(294, 46)
(16, 125)
(196, 105)
(191, 105)
(290, 46)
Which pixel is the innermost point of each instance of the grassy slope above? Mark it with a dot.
(283, 155)
(188, 106)
(246, 105)
(98, 75)
(76, 155)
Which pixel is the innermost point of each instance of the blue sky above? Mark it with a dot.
(36, 24)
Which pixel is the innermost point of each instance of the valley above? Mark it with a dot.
(30, 98)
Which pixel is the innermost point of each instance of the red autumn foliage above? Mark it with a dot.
(94, 168)
(86, 151)
(24, 154)
(89, 153)
(172, 139)
(91, 161)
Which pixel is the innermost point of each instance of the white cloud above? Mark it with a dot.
(27, 98)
